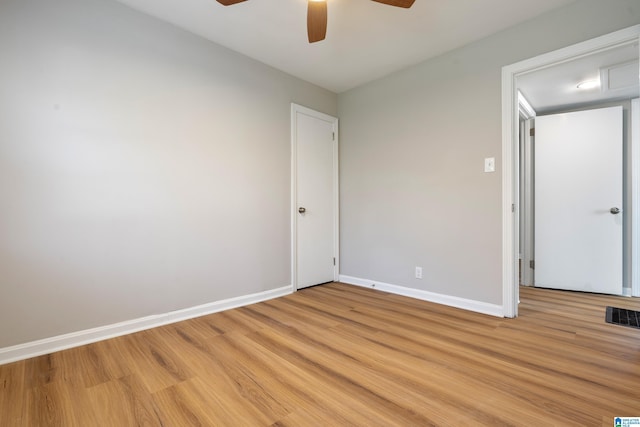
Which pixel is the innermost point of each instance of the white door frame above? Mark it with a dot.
(635, 197)
(510, 151)
(295, 109)
(527, 116)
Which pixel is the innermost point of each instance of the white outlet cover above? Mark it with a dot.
(490, 164)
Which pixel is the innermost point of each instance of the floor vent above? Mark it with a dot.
(623, 317)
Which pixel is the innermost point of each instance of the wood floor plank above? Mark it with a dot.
(345, 356)
(13, 410)
(157, 364)
(304, 390)
(238, 383)
(57, 403)
(92, 364)
(355, 383)
(121, 402)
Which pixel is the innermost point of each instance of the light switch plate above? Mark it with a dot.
(490, 164)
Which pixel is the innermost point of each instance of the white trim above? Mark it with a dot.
(526, 110)
(526, 209)
(510, 145)
(448, 300)
(635, 197)
(510, 230)
(336, 200)
(295, 109)
(88, 336)
(294, 202)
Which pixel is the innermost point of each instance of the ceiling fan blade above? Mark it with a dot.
(316, 20)
(398, 3)
(229, 2)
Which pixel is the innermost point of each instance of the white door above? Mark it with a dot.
(578, 188)
(315, 154)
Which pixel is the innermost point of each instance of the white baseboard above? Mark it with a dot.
(75, 339)
(466, 304)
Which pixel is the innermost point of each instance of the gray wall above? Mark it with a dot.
(413, 190)
(142, 169)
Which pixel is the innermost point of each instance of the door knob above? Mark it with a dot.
(615, 211)
(301, 210)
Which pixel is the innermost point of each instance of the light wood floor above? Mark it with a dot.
(338, 355)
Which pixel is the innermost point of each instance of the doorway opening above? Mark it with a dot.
(512, 76)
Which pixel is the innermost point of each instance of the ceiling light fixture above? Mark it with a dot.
(589, 84)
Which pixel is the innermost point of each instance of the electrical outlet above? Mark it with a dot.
(418, 272)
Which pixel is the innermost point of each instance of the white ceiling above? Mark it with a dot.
(555, 88)
(365, 40)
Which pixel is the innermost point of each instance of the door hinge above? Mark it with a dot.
(333, 136)
(513, 207)
(532, 264)
(334, 261)
(532, 132)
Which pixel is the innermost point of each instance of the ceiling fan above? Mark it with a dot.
(317, 15)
